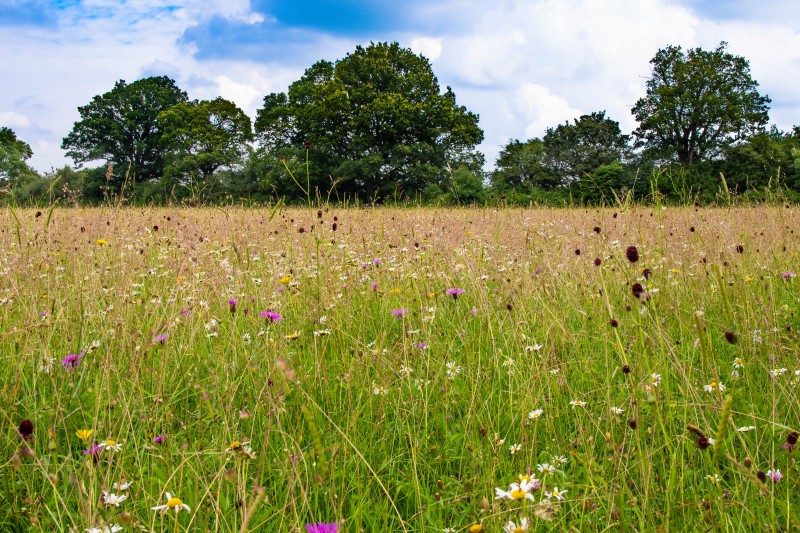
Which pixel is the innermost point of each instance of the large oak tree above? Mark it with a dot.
(121, 127)
(377, 121)
(697, 104)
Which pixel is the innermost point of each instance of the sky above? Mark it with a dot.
(522, 66)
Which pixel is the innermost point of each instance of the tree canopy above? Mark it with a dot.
(13, 154)
(202, 136)
(377, 123)
(121, 127)
(698, 103)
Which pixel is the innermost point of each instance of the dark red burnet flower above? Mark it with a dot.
(632, 423)
(761, 476)
(632, 254)
(307, 145)
(637, 290)
(646, 273)
(25, 429)
(626, 369)
(597, 261)
(731, 337)
(791, 441)
(613, 323)
(703, 443)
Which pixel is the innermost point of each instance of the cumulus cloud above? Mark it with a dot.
(522, 65)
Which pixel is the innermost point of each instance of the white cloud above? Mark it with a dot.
(12, 119)
(540, 108)
(523, 65)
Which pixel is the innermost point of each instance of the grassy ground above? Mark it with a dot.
(381, 402)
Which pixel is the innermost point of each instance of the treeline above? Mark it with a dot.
(376, 127)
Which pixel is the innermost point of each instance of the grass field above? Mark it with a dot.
(399, 370)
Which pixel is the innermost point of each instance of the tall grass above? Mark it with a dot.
(351, 410)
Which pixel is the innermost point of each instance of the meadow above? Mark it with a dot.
(227, 369)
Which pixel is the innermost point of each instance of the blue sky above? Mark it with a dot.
(522, 66)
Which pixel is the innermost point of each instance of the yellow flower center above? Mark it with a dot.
(111, 442)
(174, 502)
(517, 494)
(476, 528)
(713, 385)
(556, 494)
(235, 445)
(519, 530)
(523, 479)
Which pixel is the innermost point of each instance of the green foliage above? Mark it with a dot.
(13, 153)
(606, 185)
(698, 103)
(466, 187)
(201, 137)
(764, 160)
(574, 151)
(376, 121)
(121, 127)
(520, 166)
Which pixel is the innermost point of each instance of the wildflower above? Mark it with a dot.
(101, 242)
(232, 305)
(655, 379)
(517, 491)
(72, 361)
(292, 336)
(626, 369)
(405, 370)
(319, 332)
(331, 527)
(775, 372)
(377, 261)
(511, 527)
(534, 348)
(745, 429)
(110, 444)
(545, 511)
(285, 280)
(498, 441)
(241, 450)
(560, 459)
(113, 528)
(160, 338)
(637, 290)
(452, 370)
(93, 451)
(632, 253)
(125, 485)
(454, 293)
(757, 338)
(546, 468)
(25, 429)
(476, 528)
(110, 499)
(738, 363)
(399, 313)
(173, 502)
(787, 275)
(713, 478)
(775, 475)
(421, 345)
(270, 315)
(160, 439)
(508, 361)
(555, 493)
(535, 414)
(731, 337)
(714, 386)
(761, 476)
(577, 403)
(379, 390)
(632, 423)
(515, 448)
(617, 410)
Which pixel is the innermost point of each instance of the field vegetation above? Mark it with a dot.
(175, 369)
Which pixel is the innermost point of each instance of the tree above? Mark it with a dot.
(201, 137)
(698, 103)
(376, 121)
(574, 151)
(520, 165)
(13, 154)
(121, 127)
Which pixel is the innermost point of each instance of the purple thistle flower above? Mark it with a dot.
(232, 305)
(270, 315)
(377, 261)
(787, 275)
(399, 313)
(160, 439)
(421, 345)
(160, 338)
(94, 451)
(72, 361)
(454, 293)
(775, 475)
(331, 527)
